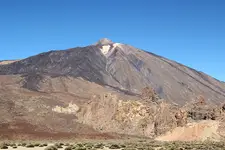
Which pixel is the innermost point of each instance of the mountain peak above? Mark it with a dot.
(104, 41)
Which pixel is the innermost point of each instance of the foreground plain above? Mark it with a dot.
(117, 145)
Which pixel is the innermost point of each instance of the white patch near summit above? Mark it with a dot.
(117, 44)
(105, 49)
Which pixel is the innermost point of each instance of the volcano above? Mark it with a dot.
(89, 92)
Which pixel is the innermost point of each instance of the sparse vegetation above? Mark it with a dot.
(68, 148)
(58, 145)
(37, 144)
(3, 146)
(41, 145)
(138, 145)
(99, 145)
(51, 148)
(12, 144)
(81, 148)
(114, 146)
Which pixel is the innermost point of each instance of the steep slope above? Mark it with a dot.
(125, 68)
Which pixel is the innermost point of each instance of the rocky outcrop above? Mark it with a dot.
(149, 94)
(197, 121)
(200, 110)
(181, 117)
(195, 131)
(107, 113)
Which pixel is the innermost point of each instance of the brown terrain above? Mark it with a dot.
(108, 91)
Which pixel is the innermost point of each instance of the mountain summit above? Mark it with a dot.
(104, 41)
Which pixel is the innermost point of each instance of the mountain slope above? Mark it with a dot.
(123, 67)
(102, 91)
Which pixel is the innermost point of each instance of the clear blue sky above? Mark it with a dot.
(191, 32)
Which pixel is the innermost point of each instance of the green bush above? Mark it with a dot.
(68, 148)
(114, 146)
(58, 145)
(37, 144)
(99, 145)
(30, 146)
(3, 146)
(81, 148)
(11, 144)
(51, 148)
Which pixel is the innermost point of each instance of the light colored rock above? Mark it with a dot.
(199, 131)
(71, 109)
(105, 49)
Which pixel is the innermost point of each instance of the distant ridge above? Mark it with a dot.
(4, 62)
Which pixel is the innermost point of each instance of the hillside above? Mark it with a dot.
(99, 91)
(123, 67)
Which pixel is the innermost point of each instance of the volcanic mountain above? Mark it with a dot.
(121, 67)
(92, 90)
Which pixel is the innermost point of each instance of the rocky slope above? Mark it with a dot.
(66, 107)
(99, 91)
(123, 67)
